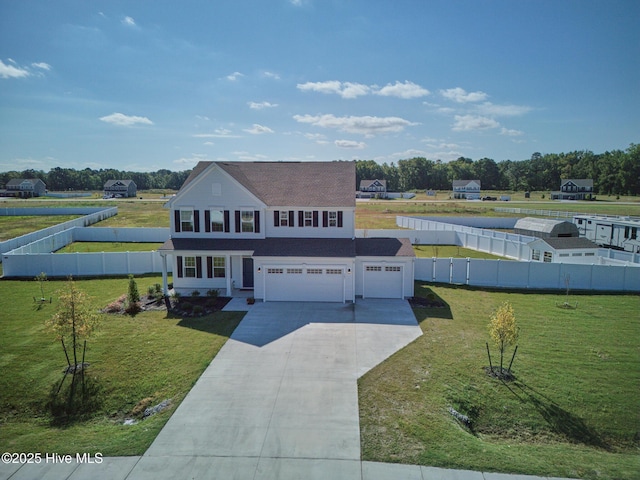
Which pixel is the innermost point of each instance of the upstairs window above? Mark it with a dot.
(284, 218)
(217, 221)
(333, 219)
(548, 257)
(247, 221)
(186, 220)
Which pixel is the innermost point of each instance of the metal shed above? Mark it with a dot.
(545, 228)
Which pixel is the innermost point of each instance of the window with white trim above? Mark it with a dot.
(333, 219)
(247, 221)
(186, 220)
(535, 255)
(218, 267)
(189, 267)
(217, 220)
(576, 254)
(589, 254)
(373, 268)
(392, 269)
(284, 218)
(308, 219)
(548, 257)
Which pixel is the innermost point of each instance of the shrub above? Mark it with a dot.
(212, 293)
(158, 287)
(158, 297)
(195, 293)
(151, 290)
(134, 295)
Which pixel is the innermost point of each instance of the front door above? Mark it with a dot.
(247, 272)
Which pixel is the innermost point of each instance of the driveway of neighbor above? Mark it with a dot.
(281, 395)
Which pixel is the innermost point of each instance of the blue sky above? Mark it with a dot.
(144, 85)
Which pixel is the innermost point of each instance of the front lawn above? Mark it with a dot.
(573, 410)
(137, 361)
(96, 247)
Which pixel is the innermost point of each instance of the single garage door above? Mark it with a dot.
(382, 281)
(304, 284)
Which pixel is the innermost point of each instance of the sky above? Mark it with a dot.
(148, 85)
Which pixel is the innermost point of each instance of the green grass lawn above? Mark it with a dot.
(573, 410)
(92, 247)
(15, 226)
(147, 358)
(452, 251)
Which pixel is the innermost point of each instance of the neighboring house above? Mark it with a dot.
(575, 189)
(373, 189)
(25, 188)
(469, 189)
(545, 228)
(564, 250)
(285, 230)
(120, 188)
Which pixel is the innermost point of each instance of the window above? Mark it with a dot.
(564, 255)
(189, 267)
(548, 257)
(589, 254)
(333, 219)
(314, 271)
(218, 267)
(186, 220)
(284, 218)
(308, 219)
(334, 271)
(373, 268)
(392, 269)
(535, 255)
(217, 221)
(576, 254)
(246, 223)
(294, 270)
(275, 270)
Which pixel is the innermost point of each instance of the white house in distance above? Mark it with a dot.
(285, 230)
(575, 189)
(120, 188)
(469, 189)
(564, 250)
(25, 188)
(373, 189)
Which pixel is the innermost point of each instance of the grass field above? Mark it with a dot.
(90, 247)
(451, 251)
(573, 410)
(147, 358)
(15, 226)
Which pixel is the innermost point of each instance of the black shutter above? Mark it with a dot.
(315, 218)
(237, 221)
(276, 218)
(209, 267)
(340, 219)
(300, 218)
(226, 221)
(199, 267)
(325, 219)
(256, 221)
(196, 220)
(207, 220)
(179, 258)
(291, 221)
(176, 216)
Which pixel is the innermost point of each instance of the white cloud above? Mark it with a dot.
(203, 117)
(511, 133)
(217, 133)
(489, 108)
(460, 95)
(473, 122)
(365, 125)
(191, 161)
(42, 65)
(410, 153)
(261, 105)
(403, 90)
(272, 75)
(344, 89)
(350, 144)
(258, 129)
(128, 21)
(234, 76)
(123, 120)
(10, 71)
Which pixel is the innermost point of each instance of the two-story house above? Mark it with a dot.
(120, 188)
(285, 230)
(469, 189)
(373, 189)
(25, 187)
(575, 189)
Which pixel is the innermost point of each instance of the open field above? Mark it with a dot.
(573, 410)
(15, 226)
(451, 251)
(147, 358)
(92, 247)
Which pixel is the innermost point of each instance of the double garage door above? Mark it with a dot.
(305, 284)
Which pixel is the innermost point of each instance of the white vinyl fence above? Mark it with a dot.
(36, 257)
(91, 215)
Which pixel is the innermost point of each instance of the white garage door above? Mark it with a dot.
(304, 284)
(382, 281)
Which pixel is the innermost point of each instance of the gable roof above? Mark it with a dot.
(463, 183)
(545, 225)
(368, 183)
(567, 243)
(110, 183)
(579, 182)
(14, 182)
(304, 184)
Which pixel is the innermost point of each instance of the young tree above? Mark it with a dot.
(133, 297)
(41, 278)
(504, 330)
(75, 319)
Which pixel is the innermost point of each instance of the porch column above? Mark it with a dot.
(227, 274)
(165, 285)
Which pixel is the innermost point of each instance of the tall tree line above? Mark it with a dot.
(614, 172)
